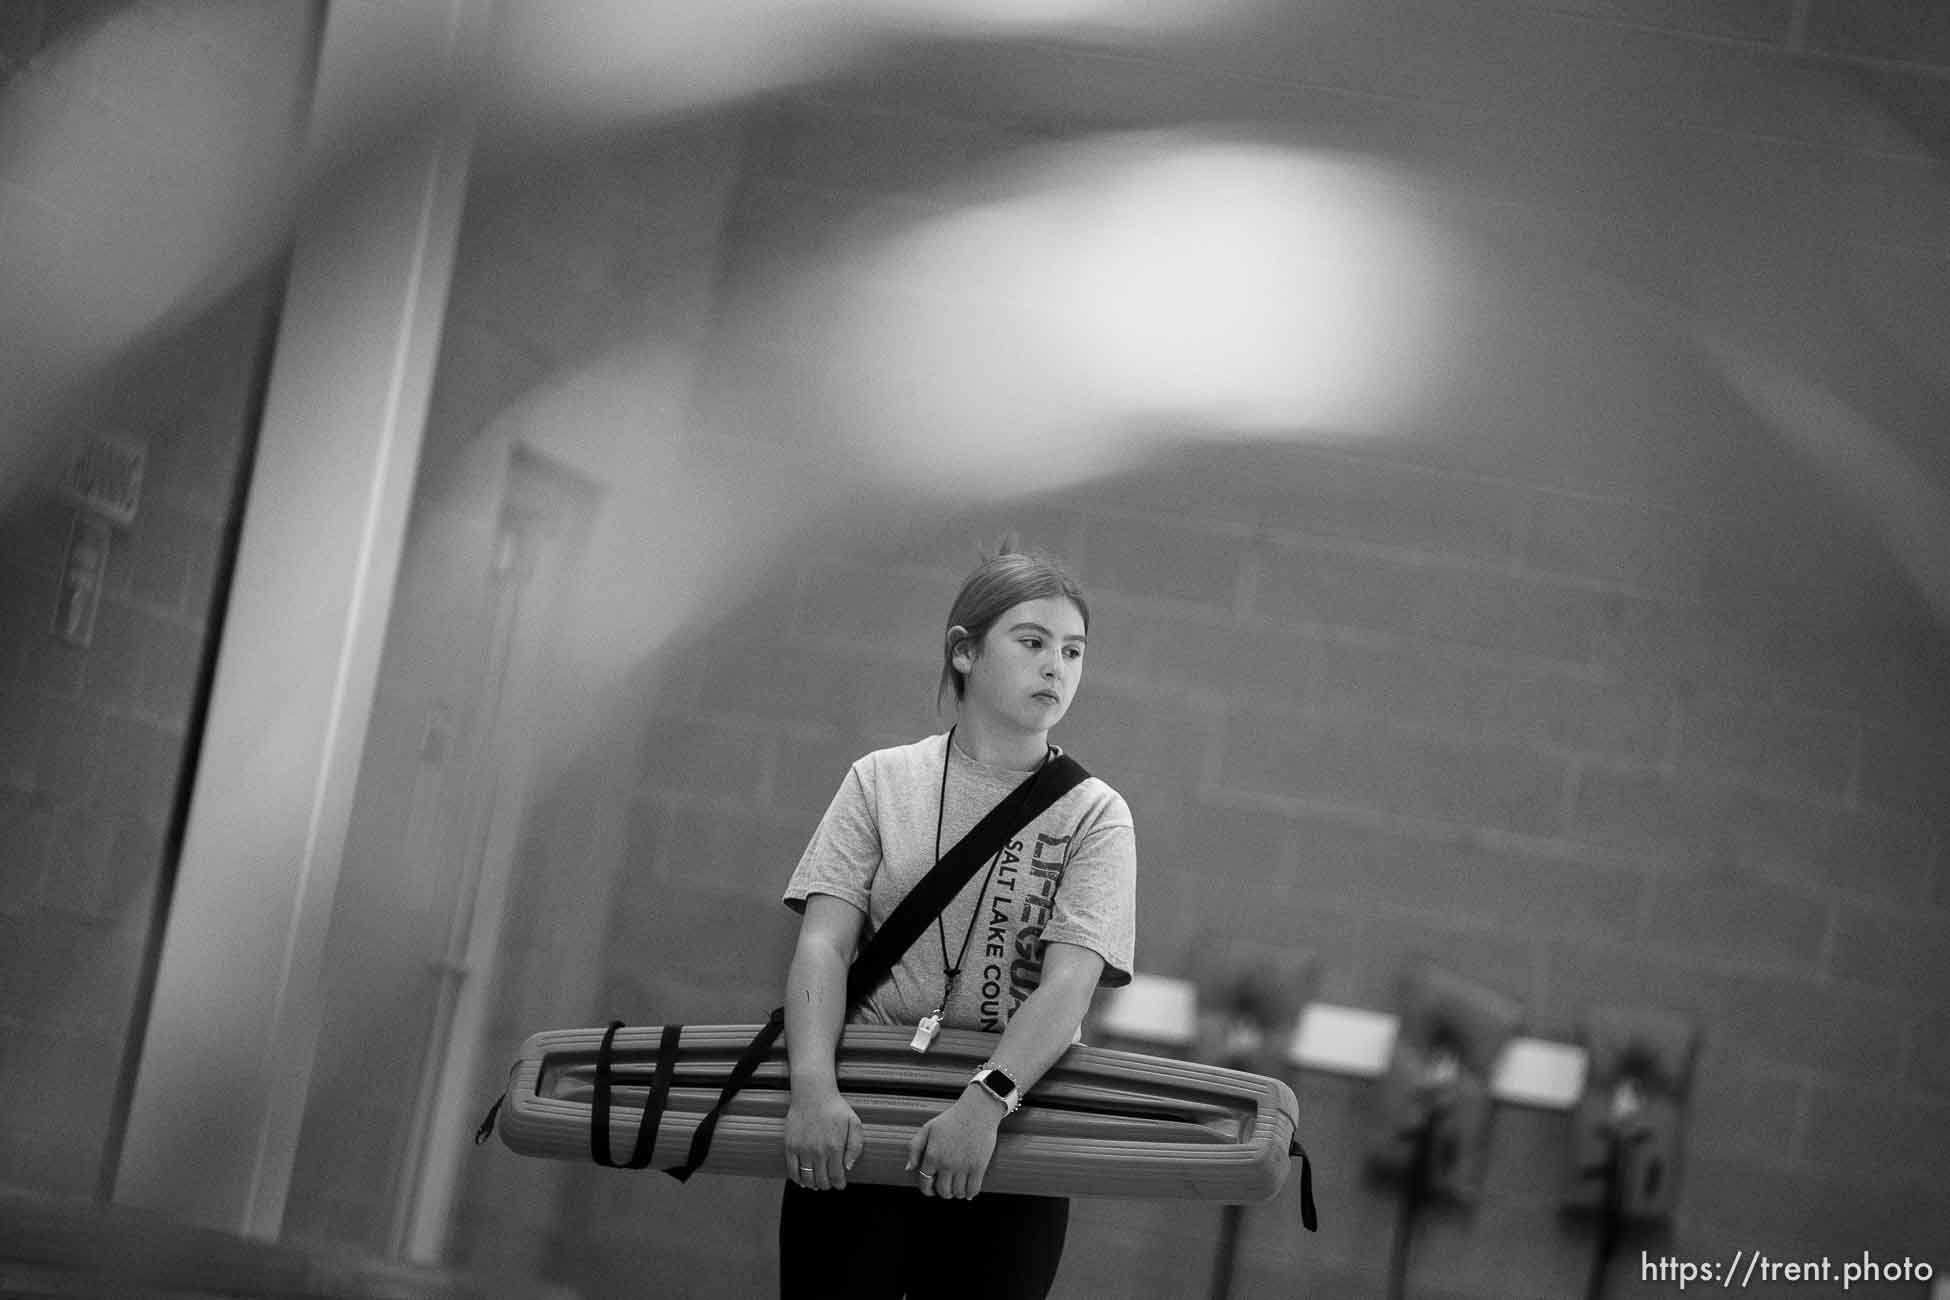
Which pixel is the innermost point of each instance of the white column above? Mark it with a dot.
(228, 1052)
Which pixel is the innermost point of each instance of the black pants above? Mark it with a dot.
(882, 1243)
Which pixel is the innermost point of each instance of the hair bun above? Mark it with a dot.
(1010, 543)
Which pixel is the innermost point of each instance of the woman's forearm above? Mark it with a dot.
(1043, 1027)
(815, 1008)
(1039, 1032)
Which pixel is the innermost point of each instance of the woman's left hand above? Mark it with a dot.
(955, 1147)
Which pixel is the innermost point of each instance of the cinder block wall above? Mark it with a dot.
(1548, 695)
(1690, 822)
(92, 740)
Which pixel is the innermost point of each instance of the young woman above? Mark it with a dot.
(1018, 953)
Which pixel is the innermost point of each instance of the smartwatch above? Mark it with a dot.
(996, 1082)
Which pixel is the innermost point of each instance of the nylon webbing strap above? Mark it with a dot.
(599, 1104)
(915, 912)
(748, 1062)
(958, 865)
(653, 1108)
(1308, 1218)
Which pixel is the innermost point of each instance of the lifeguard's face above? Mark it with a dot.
(1028, 667)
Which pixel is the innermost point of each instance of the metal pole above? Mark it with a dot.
(1229, 1218)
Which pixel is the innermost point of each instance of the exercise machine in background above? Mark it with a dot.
(1431, 1127)
(1250, 997)
(1628, 1128)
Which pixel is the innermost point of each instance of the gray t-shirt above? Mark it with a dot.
(1070, 875)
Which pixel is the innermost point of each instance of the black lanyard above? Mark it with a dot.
(931, 1024)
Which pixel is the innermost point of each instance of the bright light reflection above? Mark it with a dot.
(1115, 291)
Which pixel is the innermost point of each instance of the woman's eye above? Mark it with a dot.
(1033, 643)
(1073, 653)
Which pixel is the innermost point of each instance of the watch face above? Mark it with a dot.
(998, 1083)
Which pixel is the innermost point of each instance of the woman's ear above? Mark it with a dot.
(961, 648)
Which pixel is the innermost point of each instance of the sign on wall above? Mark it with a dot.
(105, 481)
(105, 477)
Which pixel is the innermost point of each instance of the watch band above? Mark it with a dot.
(999, 1084)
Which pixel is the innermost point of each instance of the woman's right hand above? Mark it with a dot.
(823, 1138)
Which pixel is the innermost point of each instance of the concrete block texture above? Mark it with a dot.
(27, 825)
(1324, 492)
(1451, 603)
(21, 711)
(1491, 785)
(1478, 696)
(1458, 878)
(1842, 1031)
(1619, 543)
(1913, 31)
(1898, 1128)
(1578, 974)
(1900, 949)
(1143, 558)
(1824, 1210)
(1738, 1110)
(1764, 924)
(1697, 822)
(1814, 753)
(1929, 1057)
(68, 766)
(1119, 732)
(1761, 20)
(1904, 769)
(1533, 63)
(886, 611)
